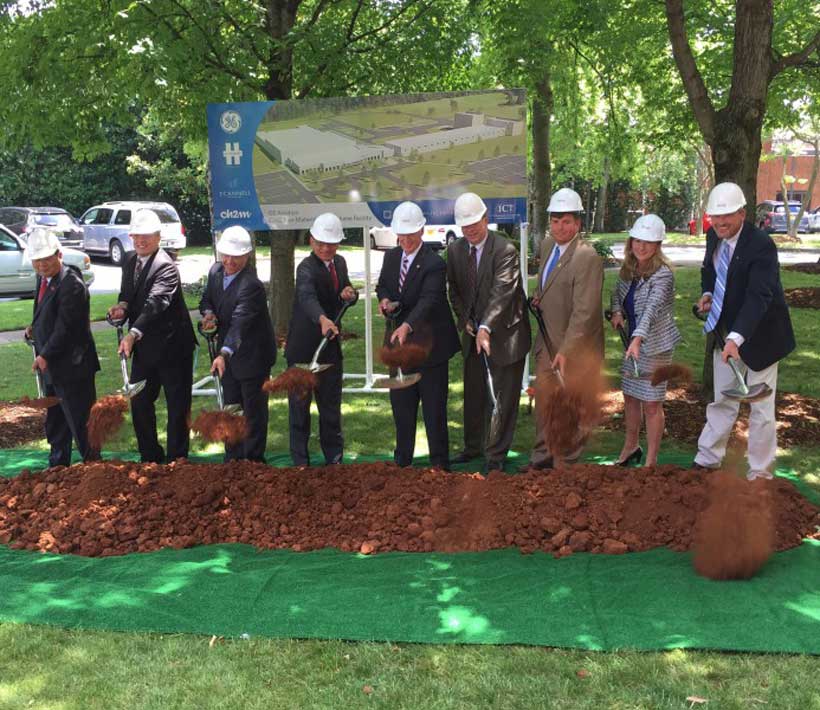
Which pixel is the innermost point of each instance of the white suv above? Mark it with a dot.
(106, 227)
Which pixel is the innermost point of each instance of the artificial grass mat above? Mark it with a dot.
(650, 600)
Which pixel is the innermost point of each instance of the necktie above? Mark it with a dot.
(331, 267)
(42, 291)
(472, 278)
(720, 289)
(137, 271)
(556, 254)
(403, 272)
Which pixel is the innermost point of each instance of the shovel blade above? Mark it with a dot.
(233, 409)
(395, 383)
(316, 369)
(132, 389)
(755, 393)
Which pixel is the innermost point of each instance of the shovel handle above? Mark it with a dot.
(38, 376)
(621, 332)
(721, 341)
(542, 328)
(336, 321)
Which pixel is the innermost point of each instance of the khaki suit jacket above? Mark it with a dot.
(499, 299)
(570, 300)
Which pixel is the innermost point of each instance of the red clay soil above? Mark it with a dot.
(105, 419)
(408, 356)
(20, 424)
(674, 373)
(40, 402)
(112, 508)
(798, 417)
(804, 297)
(806, 267)
(294, 380)
(218, 426)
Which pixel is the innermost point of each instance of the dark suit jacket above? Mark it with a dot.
(62, 329)
(315, 297)
(244, 322)
(423, 301)
(753, 304)
(499, 303)
(157, 309)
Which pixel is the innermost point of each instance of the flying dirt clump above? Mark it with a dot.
(105, 419)
(227, 427)
(735, 534)
(294, 380)
(674, 373)
(39, 403)
(408, 356)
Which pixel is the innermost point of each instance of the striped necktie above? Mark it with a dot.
(403, 273)
(720, 289)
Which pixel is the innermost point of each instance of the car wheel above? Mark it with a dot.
(116, 252)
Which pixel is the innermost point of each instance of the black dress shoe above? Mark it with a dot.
(463, 457)
(494, 466)
(635, 457)
(700, 467)
(544, 465)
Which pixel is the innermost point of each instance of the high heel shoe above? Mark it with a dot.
(635, 457)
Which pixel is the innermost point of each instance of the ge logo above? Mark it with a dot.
(230, 121)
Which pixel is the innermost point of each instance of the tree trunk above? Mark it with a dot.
(600, 207)
(737, 146)
(542, 176)
(280, 289)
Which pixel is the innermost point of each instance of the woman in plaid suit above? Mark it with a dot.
(643, 302)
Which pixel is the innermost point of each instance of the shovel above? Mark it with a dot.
(38, 376)
(625, 340)
(742, 391)
(313, 365)
(127, 390)
(542, 328)
(400, 381)
(210, 337)
(495, 416)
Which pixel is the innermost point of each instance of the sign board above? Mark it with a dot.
(277, 165)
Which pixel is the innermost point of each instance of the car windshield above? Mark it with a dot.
(62, 221)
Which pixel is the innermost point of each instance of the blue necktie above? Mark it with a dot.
(720, 289)
(556, 254)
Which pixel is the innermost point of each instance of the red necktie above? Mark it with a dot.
(334, 276)
(42, 291)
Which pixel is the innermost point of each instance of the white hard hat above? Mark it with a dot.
(41, 243)
(725, 198)
(235, 241)
(468, 209)
(407, 219)
(648, 228)
(565, 200)
(327, 228)
(145, 221)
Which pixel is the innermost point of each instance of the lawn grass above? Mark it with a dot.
(65, 669)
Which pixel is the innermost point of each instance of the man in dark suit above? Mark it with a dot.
(322, 285)
(412, 292)
(160, 337)
(234, 301)
(744, 301)
(487, 296)
(66, 354)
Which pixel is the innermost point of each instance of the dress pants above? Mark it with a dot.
(69, 420)
(176, 379)
(431, 389)
(722, 413)
(478, 409)
(329, 402)
(541, 449)
(254, 402)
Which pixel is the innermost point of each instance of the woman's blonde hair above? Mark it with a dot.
(630, 269)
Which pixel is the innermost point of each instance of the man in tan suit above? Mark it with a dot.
(487, 297)
(568, 294)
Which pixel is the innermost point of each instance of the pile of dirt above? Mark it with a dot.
(798, 417)
(112, 508)
(804, 297)
(20, 424)
(806, 267)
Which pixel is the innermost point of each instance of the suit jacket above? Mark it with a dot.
(654, 300)
(423, 301)
(62, 328)
(157, 309)
(315, 297)
(753, 304)
(570, 300)
(499, 299)
(244, 323)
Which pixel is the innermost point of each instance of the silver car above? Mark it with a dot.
(17, 277)
(106, 229)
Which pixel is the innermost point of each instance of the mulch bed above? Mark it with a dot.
(20, 424)
(806, 267)
(798, 417)
(803, 297)
(113, 508)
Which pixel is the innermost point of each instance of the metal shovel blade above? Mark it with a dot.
(131, 390)
(753, 394)
(314, 367)
(396, 383)
(233, 409)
